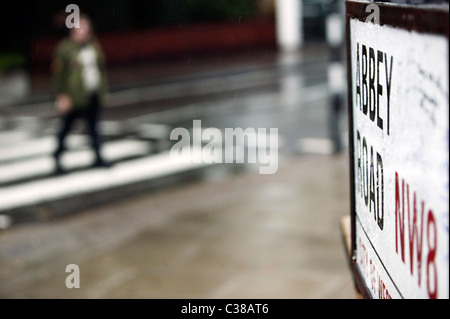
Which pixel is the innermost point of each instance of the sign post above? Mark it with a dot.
(398, 79)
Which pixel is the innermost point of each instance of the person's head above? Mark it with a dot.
(82, 34)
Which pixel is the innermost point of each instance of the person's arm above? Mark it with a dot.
(63, 101)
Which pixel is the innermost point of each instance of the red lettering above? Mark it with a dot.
(399, 219)
(431, 262)
(415, 237)
(383, 293)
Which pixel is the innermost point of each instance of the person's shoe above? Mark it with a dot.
(102, 164)
(59, 170)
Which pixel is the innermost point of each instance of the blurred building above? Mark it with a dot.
(132, 31)
(136, 30)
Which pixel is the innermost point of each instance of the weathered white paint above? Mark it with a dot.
(416, 148)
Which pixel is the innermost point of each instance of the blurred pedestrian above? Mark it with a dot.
(79, 86)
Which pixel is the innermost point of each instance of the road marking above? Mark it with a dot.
(41, 166)
(315, 146)
(94, 180)
(9, 137)
(37, 146)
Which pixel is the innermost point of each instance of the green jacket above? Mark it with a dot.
(68, 73)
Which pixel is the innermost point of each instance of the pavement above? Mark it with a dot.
(150, 227)
(243, 235)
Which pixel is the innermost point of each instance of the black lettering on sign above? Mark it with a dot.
(369, 84)
(370, 174)
(372, 91)
(388, 86)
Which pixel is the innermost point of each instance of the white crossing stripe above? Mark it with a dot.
(35, 167)
(9, 137)
(37, 146)
(315, 146)
(94, 180)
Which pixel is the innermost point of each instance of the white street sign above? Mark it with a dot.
(400, 109)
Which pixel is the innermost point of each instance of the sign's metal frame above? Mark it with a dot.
(421, 19)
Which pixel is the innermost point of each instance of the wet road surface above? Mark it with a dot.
(244, 236)
(228, 234)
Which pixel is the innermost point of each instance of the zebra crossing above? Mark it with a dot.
(30, 189)
(138, 144)
(29, 186)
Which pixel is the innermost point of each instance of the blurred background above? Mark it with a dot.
(151, 228)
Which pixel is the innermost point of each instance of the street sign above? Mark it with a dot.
(399, 149)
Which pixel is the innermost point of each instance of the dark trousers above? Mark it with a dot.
(91, 115)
